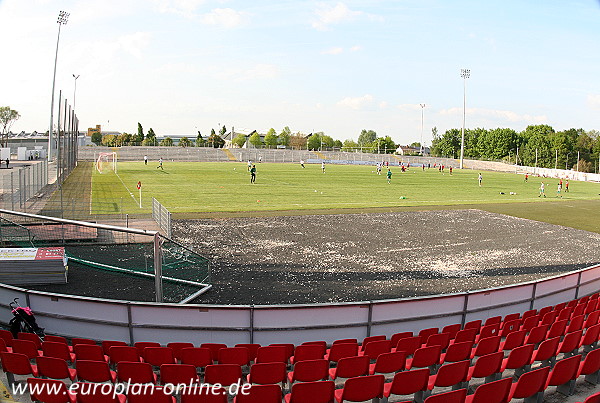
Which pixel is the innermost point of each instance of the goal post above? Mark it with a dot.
(107, 161)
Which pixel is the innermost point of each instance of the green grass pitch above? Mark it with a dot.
(201, 187)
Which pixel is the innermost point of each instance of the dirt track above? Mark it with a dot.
(353, 257)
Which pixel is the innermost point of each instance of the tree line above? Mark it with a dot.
(537, 145)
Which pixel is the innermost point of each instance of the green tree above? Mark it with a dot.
(271, 138)
(140, 134)
(326, 141)
(214, 140)
(150, 138)
(167, 142)
(337, 144)
(8, 116)
(384, 145)
(97, 138)
(448, 144)
(109, 140)
(349, 146)
(239, 140)
(366, 138)
(199, 140)
(185, 142)
(222, 131)
(298, 141)
(125, 139)
(285, 136)
(255, 140)
(314, 141)
(538, 144)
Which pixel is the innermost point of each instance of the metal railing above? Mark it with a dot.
(162, 216)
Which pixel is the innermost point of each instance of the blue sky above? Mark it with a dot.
(334, 66)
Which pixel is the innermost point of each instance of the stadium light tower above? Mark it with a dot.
(422, 118)
(63, 17)
(464, 73)
(75, 89)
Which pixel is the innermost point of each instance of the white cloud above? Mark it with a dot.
(257, 72)
(409, 107)
(328, 15)
(356, 103)
(593, 101)
(134, 43)
(383, 105)
(224, 17)
(186, 8)
(355, 48)
(333, 51)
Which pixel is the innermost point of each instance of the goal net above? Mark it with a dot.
(106, 162)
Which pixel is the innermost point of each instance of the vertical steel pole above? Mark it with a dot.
(158, 269)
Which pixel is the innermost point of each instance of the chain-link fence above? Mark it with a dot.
(20, 187)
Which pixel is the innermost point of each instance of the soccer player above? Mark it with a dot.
(253, 174)
(526, 177)
(542, 190)
(558, 189)
(389, 176)
(323, 166)
(160, 161)
(378, 168)
(480, 178)
(567, 186)
(145, 160)
(302, 163)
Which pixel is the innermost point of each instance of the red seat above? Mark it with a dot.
(408, 345)
(361, 388)
(530, 384)
(224, 374)
(311, 392)
(252, 349)
(26, 347)
(4, 347)
(94, 371)
(17, 364)
(425, 333)
(457, 352)
(576, 323)
(177, 347)
(289, 349)
(595, 398)
(408, 383)
(260, 394)
(557, 329)
(342, 350)
(491, 392)
(487, 366)
(474, 324)
(350, 367)
(89, 352)
(493, 320)
(455, 396)
(234, 355)
(214, 349)
(439, 339)
(546, 352)
(545, 310)
(467, 334)
(590, 338)
(272, 354)
(203, 394)
(117, 354)
(513, 340)
(455, 374)
(388, 363)
(135, 372)
(55, 368)
(7, 337)
(78, 340)
(425, 357)
(178, 374)
(96, 393)
(308, 352)
(374, 348)
(488, 331)
(564, 374)
(58, 339)
(107, 344)
(57, 350)
(268, 373)
(398, 336)
(451, 329)
(141, 345)
(197, 356)
(486, 346)
(530, 322)
(49, 391)
(510, 317)
(369, 339)
(309, 371)
(154, 395)
(537, 335)
(590, 367)
(571, 343)
(509, 327)
(518, 359)
(157, 356)
(31, 337)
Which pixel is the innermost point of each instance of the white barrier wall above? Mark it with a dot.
(98, 319)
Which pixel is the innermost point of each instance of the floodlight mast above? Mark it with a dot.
(75, 89)
(63, 17)
(464, 73)
(422, 118)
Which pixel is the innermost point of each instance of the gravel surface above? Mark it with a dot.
(355, 257)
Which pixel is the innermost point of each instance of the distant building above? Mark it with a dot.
(92, 130)
(408, 150)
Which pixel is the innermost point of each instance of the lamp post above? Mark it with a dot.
(63, 17)
(422, 118)
(75, 89)
(464, 73)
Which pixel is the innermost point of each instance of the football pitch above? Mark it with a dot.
(194, 189)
